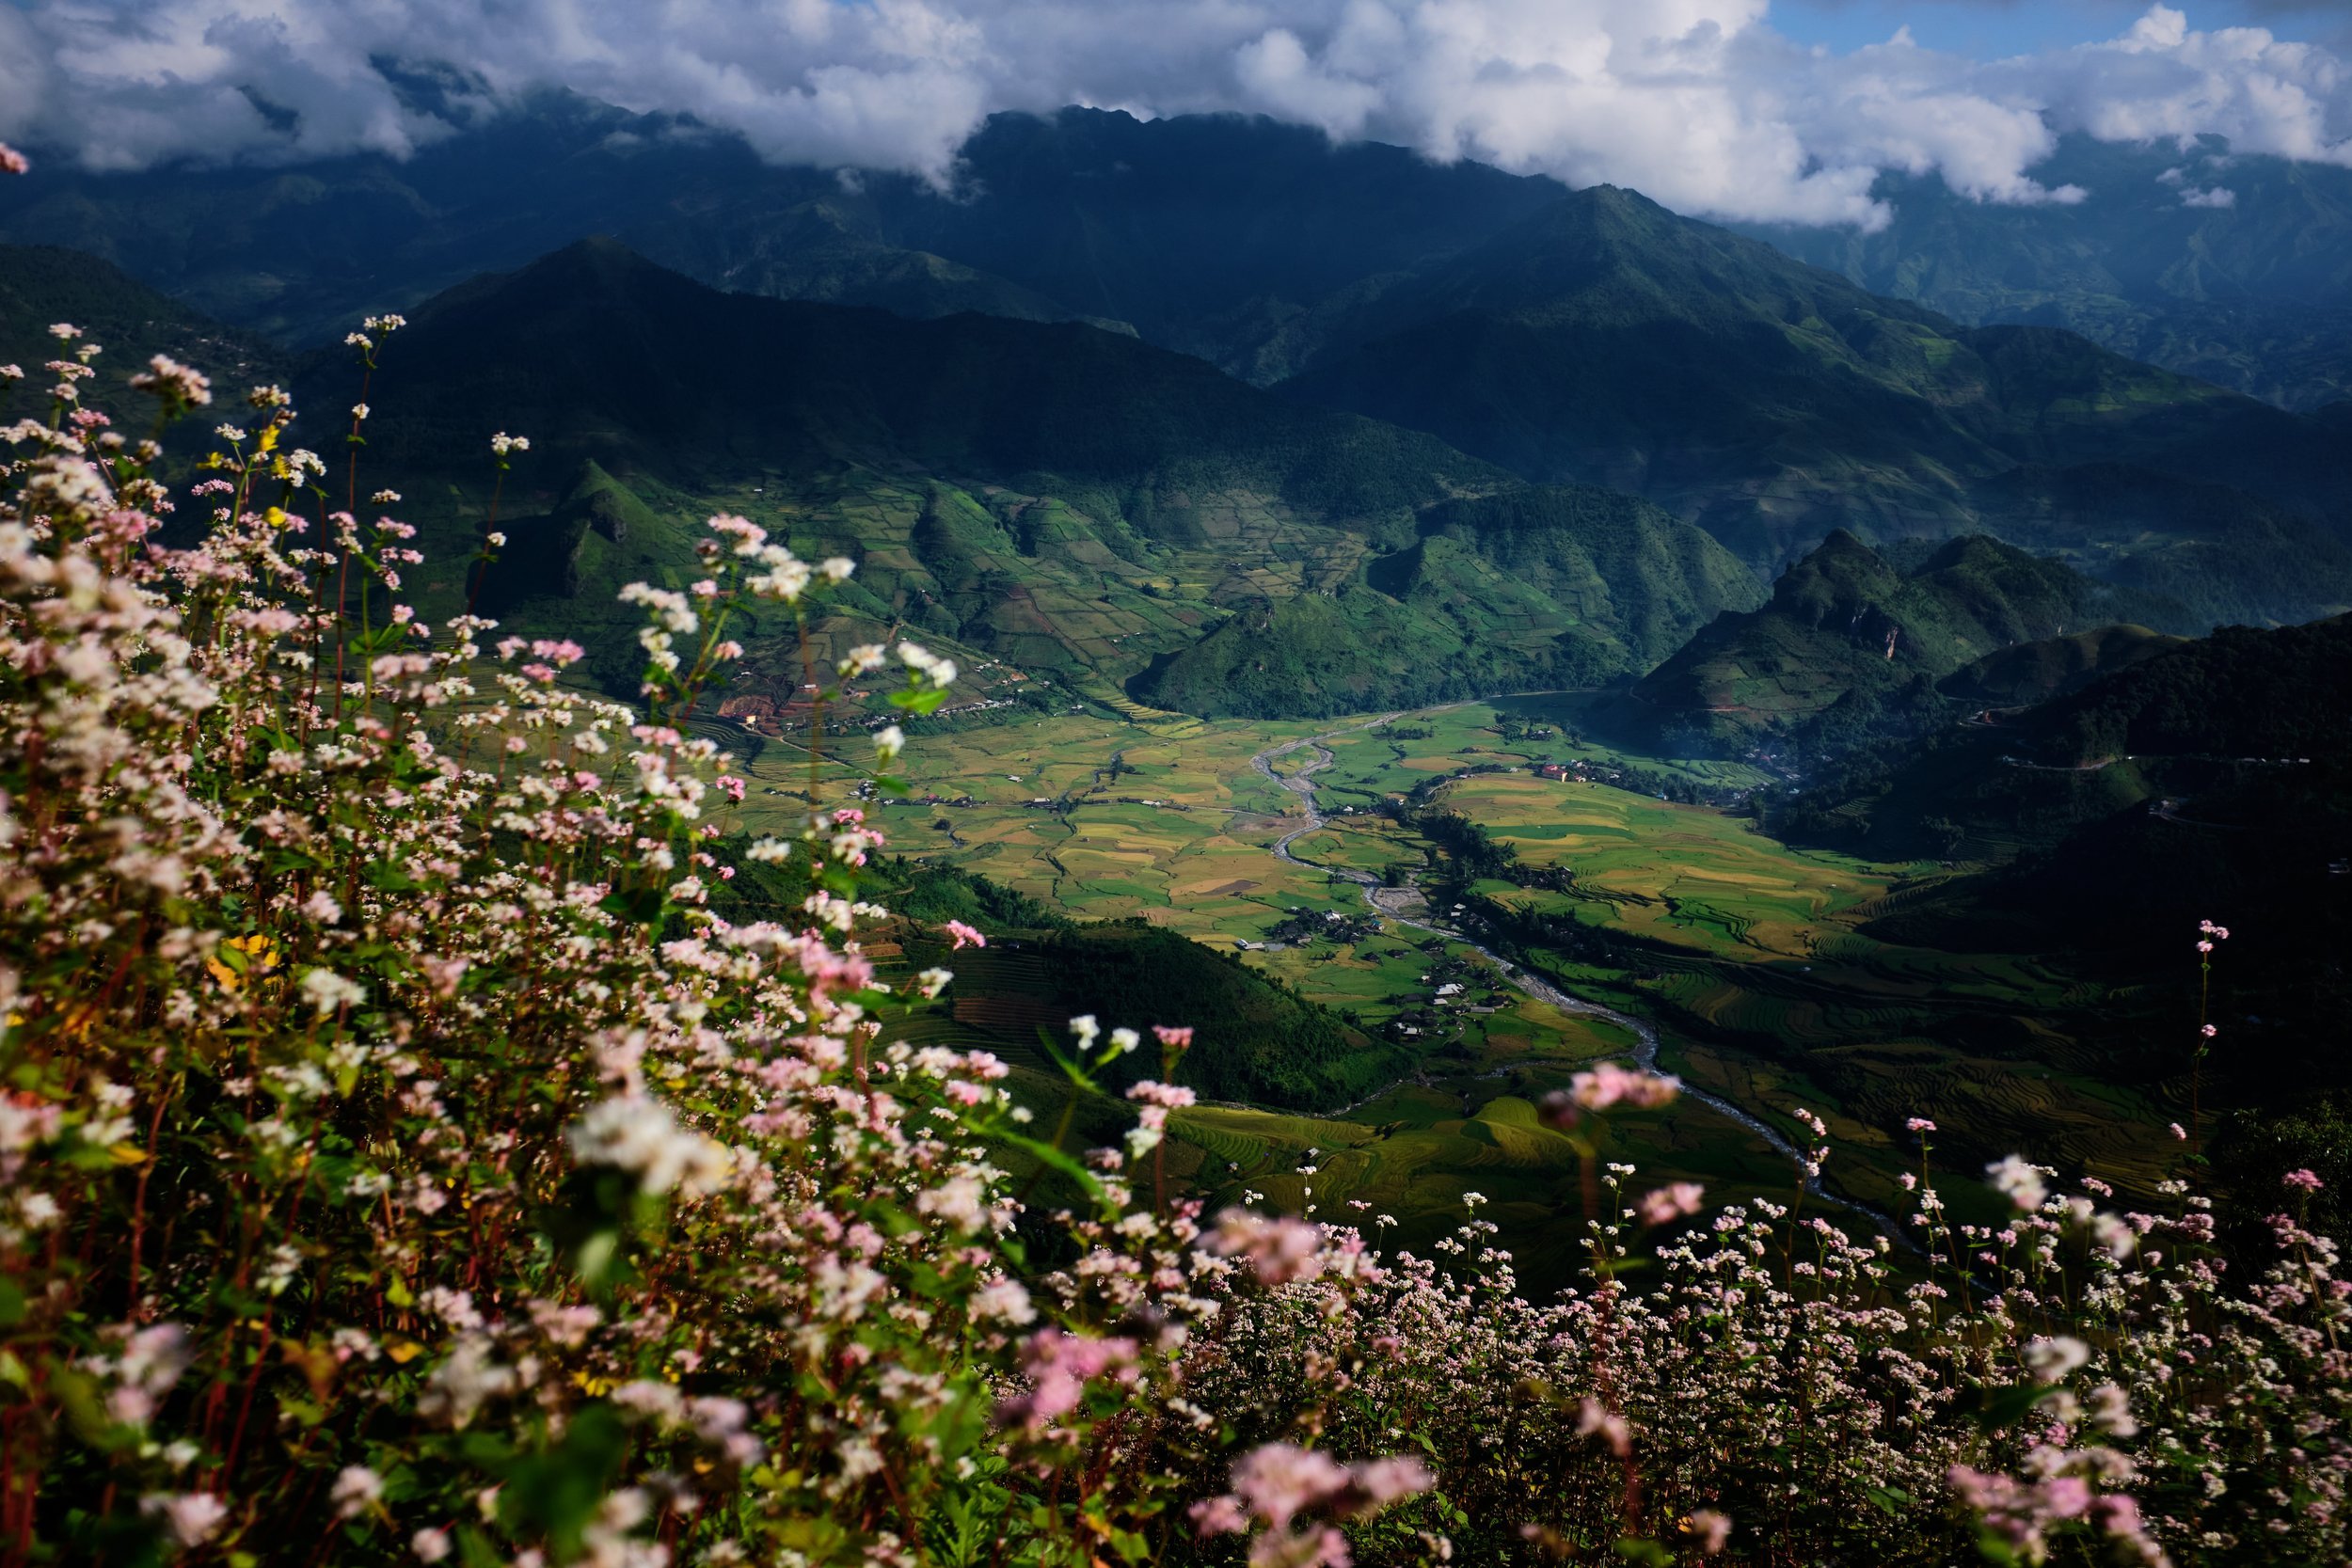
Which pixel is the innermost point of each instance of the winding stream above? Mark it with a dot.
(1301, 783)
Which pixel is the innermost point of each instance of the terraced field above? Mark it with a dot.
(1746, 954)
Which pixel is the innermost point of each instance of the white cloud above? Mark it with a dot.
(1698, 103)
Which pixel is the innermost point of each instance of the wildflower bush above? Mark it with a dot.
(407, 1156)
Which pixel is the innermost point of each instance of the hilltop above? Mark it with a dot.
(1606, 339)
(1850, 641)
(1069, 500)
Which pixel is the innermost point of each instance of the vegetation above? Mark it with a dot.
(1850, 645)
(408, 1156)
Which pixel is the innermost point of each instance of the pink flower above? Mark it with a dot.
(2180, 1132)
(1280, 1250)
(1670, 1203)
(1918, 1124)
(11, 161)
(1279, 1480)
(966, 936)
(2209, 1031)
(1709, 1528)
(2303, 1181)
(1174, 1037)
(1059, 1367)
(1605, 1085)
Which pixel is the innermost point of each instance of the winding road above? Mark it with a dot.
(1301, 783)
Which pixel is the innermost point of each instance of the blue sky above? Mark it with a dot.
(1991, 29)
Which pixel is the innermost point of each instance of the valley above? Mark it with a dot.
(1647, 928)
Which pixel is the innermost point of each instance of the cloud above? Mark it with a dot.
(1700, 104)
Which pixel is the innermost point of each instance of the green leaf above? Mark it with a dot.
(1060, 1161)
(557, 1492)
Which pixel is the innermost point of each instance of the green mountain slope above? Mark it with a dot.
(2034, 672)
(40, 285)
(1557, 586)
(2253, 294)
(1845, 632)
(2221, 728)
(1608, 341)
(1050, 498)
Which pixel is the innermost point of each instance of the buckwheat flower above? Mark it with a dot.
(2180, 1134)
(175, 383)
(932, 981)
(888, 742)
(1174, 1037)
(1125, 1040)
(1279, 1479)
(2019, 1182)
(1670, 1203)
(2052, 1357)
(1593, 1417)
(2302, 1181)
(966, 936)
(14, 162)
(503, 443)
(328, 991)
(863, 658)
(430, 1544)
(836, 568)
(229, 434)
(640, 1136)
(65, 332)
(192, 1517)
(1710, 1530)
(2111, 1411)
(354, 1491)
(1003, 1301)
(1918, 1124)
(322, 907)
(2209, 1031)
(1086, 1028)
(1279, 1250)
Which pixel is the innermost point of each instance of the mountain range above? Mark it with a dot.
(1211, 414)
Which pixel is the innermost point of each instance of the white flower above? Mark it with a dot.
(1004, 1301)
(932, 981)
(2019, 1182)
(2052, 1358)
(638, 1134)
(354, 1491)
(460, 1385)
(191, 1516)
(328, 990)
(836, 568)
(889, 741)
(1086, 1029)
(430, 1544)
(503, 443)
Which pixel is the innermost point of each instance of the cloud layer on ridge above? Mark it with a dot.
(1699, 103)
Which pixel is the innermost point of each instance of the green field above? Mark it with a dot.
(1748, 955)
